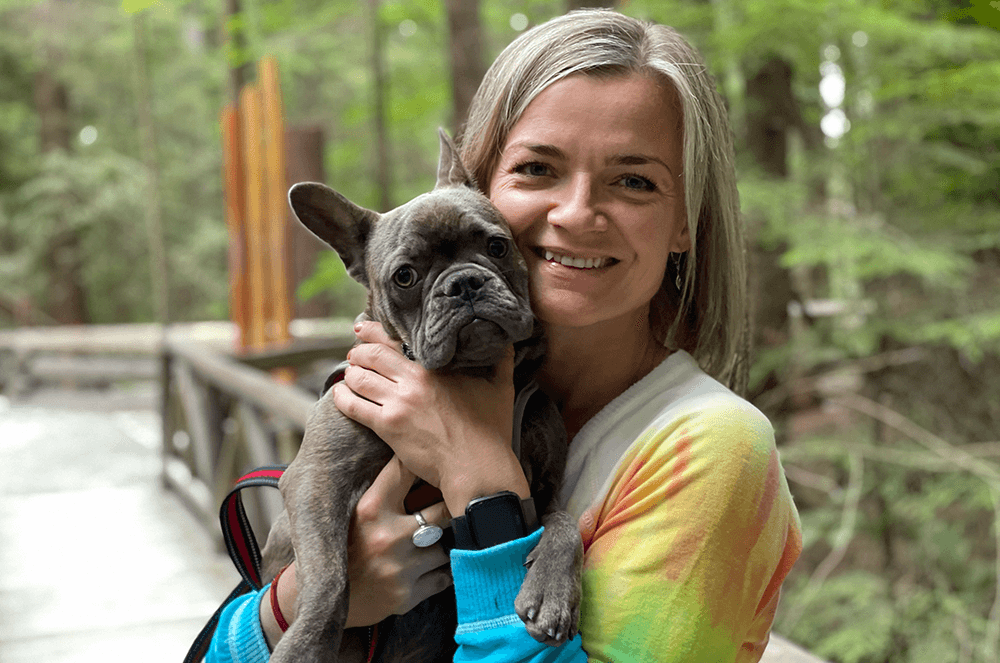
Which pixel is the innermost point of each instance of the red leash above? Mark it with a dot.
(241, 544)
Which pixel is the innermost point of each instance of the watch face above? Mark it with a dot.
(496, 519)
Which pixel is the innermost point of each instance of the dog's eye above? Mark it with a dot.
(497, 247)
(405, 276)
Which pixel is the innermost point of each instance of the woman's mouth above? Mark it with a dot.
(578, 263)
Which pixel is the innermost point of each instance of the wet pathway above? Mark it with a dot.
(98, 562)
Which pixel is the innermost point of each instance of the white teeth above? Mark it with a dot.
(579, 263)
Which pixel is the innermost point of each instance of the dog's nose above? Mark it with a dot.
(466, 286)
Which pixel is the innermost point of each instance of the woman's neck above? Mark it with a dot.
(587, 368)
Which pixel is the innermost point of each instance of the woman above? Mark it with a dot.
(604, 143)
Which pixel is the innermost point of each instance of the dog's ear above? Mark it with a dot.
(337, 221)
(451, 170)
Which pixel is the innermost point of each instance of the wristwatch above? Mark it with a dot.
(494, 519)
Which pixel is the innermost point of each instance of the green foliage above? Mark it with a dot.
(851, 622)
(868, 249)
(18, 127)
(924, 598)
(89, 46)
(331, 279)
(98, 200)
(900, 223)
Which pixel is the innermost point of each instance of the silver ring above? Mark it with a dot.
(426, 535)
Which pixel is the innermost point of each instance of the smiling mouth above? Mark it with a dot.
(578, 263)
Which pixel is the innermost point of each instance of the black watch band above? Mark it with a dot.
(494, 519)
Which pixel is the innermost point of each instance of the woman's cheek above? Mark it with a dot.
(517, 206)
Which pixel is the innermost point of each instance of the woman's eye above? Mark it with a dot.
(532, 169)
(405, 276)
(497, 247)
(637, 183)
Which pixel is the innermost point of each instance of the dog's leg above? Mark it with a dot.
(319, 529)
(549, 600)
(337, 462)
(278, 551)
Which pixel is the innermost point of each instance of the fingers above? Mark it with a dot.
(375, 371)
(390, 487)
(437, 514)
(353, 406)
(374, 332)
(378, 387)
(425, 560)
(428, 585)
(367, 383)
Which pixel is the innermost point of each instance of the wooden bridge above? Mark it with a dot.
(105, 432)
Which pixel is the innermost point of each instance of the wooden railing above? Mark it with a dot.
(222, 414)
(77, 355)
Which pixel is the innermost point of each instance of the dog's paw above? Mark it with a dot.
(549, 603)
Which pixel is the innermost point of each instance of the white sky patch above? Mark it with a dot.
(835, 124)
(833, 86)
(88, 135)
(518, 22)
(408, 28)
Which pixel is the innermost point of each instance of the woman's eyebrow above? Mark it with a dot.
(638, 160)
(541, 149)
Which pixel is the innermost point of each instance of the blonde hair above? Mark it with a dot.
(708, 317)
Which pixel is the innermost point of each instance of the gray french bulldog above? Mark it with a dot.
(444, 277)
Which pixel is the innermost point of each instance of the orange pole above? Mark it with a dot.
(250, 120)
(276, 205)
(276, 187)
(232, 176)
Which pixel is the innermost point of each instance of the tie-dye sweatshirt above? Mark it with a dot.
(688, 528)
(688, 531)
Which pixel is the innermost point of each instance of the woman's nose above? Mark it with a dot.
(576, 206)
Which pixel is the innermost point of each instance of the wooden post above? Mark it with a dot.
(257, 215)
(250, 113)
(275, 201)
(235, 200)
(275, 204)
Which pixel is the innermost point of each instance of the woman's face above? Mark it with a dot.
(589, 180)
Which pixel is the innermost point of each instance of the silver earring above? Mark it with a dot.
(677, 270)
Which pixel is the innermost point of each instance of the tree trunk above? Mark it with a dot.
(236, 45)
(467, 68)
(771, 110)
(158, 270)
(383, 173)
(67, 300)
(52, 105)
(304, 163)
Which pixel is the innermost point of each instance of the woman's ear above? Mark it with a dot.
(681, 242)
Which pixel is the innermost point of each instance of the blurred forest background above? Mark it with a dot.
(868, 138)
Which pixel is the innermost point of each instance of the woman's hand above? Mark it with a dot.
(452, 431)
(388, 575)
